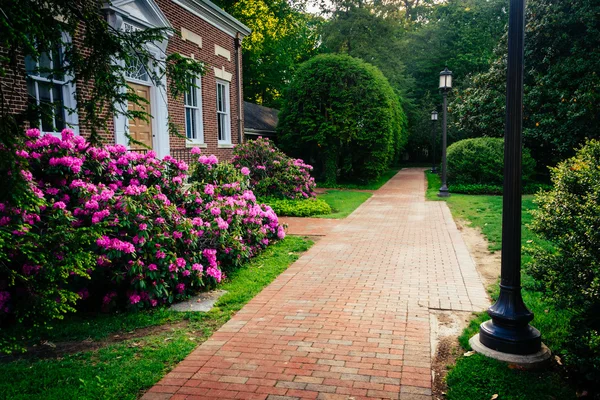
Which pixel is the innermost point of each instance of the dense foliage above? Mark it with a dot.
(481, 161)
(561, 82)
(341, 115)
(271, 172)
(569, 216)
(111, 228)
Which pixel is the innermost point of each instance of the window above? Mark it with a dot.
(194, 130)
(223, 121)
(50, 92)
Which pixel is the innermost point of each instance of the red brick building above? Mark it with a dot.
(210, 115)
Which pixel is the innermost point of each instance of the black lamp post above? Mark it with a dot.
(434, 118)
(509, 331)
(445, 86)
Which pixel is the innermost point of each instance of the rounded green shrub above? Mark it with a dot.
(481, 161)
(569, 217)
(341, 115)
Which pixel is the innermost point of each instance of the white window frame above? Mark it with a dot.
(70, 117)
(225, 114)
(195, 111)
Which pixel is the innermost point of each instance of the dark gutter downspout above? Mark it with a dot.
(238, 76)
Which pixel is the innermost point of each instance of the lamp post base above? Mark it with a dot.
(443, 192)
(530, 361)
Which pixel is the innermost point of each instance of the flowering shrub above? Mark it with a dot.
(271, 172)
(112, 228)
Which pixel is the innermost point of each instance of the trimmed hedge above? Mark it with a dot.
(531, 188)
(341, 115)
(481, 161)
(299, 207)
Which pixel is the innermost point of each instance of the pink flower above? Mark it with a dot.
(99, 216)
(60, 204)
(222, 224)
(152, 267)
(91, 205)
(209, 189)
(197, 221)
(245, 171)
(134, 298)
(197, 267)
(215, 273)
(83, 294)
(195, 150)
(160, 254)
(280, 232)
(177, 235)
(33, 133)
(180, 262)
(215, 211)
(143, 227)
(180, 287)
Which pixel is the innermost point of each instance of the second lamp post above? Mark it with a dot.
(445, 86)
(434, 118)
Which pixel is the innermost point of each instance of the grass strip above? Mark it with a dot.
(343, 202)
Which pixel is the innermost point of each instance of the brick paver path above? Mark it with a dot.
(348, 320)
(309, 226)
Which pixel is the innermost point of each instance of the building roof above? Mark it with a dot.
(260, 119)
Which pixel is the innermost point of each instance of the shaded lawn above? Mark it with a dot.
(343, 203)
(477, 377)
(122, 370)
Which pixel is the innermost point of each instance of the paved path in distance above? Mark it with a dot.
(350, 319)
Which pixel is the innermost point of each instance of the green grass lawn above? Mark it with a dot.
(476, 377)
(343, 202)
(121, 370)
(386, 176)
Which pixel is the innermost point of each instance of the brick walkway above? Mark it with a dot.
(350, 319)
(309, 226)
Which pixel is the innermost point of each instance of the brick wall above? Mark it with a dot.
(179, 17)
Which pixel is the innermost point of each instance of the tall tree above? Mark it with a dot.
(360, 32)
(283, 36)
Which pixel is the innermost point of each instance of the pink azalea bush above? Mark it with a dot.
(272, 173)
(108, 228)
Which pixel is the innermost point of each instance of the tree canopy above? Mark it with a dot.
(561, 93)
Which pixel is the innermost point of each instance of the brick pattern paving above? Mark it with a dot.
(309, 226)
(350, 318)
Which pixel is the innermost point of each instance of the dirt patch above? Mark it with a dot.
(60, 349)
(445, 328)
(488, 264)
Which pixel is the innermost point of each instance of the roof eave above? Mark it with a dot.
(214, 15)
